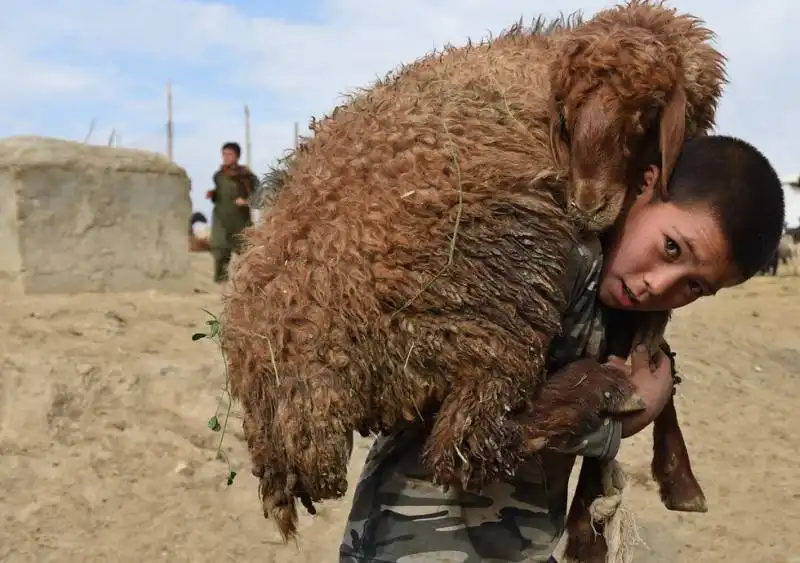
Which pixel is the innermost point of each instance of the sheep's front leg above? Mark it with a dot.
(650, 334)
(474, 439)
(671, 467)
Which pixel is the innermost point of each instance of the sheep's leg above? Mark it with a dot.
(278, 503)
(671, 468)
(480, 435)
(279, 489)
(585, 540)
(651, 334)
(474, 440)
(299, 454)
(574, 401)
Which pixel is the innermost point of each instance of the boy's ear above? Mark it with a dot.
(652, 175)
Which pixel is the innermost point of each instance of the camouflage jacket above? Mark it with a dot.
(399, 516)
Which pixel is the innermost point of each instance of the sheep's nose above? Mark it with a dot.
(598, 199)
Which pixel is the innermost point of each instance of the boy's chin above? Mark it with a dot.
(610, 295)
(607, 298)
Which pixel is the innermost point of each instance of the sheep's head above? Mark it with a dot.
(612, 87)
(703, 65)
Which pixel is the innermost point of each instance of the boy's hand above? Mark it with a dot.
(241, 202)
(654, 386)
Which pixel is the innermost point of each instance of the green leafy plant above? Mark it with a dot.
(214, 334)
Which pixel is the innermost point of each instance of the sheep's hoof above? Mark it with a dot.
(691, 501)
(679, 490)
(281, 509)
(632, 403)
(280, 505)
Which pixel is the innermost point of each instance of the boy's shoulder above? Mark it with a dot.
(584, 267)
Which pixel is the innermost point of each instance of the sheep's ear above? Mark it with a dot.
(671, 134)
(557, 133)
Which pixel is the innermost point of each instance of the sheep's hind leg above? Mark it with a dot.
(308, 462)
(585, 540)
(474, 439)
(277, 498)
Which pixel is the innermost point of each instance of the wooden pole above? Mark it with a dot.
(248, 145)
(91, 130)
(296, 133)
(170, 132)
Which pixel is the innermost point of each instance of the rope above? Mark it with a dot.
(620, 531)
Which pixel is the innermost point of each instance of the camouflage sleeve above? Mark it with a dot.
(602, 443)
(583, 336)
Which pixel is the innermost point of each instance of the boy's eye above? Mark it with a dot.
(671, 248)
(696, 288)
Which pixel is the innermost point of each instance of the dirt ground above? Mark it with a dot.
(105, 454)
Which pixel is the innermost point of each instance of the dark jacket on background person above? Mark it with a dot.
(228, 220)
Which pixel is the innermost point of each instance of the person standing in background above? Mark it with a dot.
(233, 186)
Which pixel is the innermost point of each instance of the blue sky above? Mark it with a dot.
(68, 62)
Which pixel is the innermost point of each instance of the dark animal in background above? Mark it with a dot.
(771, 267)
(197, 244)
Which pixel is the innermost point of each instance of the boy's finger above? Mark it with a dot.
(640, 357)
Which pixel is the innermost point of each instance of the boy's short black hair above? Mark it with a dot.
(743, 190)
(234, 147)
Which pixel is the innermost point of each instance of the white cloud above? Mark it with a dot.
(96, 51)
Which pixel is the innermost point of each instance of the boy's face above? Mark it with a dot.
(664, 256)
(229, 157)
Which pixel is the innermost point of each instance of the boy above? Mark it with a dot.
(722, 222)
(233, 185)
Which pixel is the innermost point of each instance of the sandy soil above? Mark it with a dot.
(106, 455)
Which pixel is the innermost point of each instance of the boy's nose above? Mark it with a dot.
(659, 283)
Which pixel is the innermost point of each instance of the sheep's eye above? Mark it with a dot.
(671, 248)
(562, 125)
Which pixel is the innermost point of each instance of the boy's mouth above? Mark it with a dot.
(626, 291)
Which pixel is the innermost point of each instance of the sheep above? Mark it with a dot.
(412, 259)
(786, 251)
